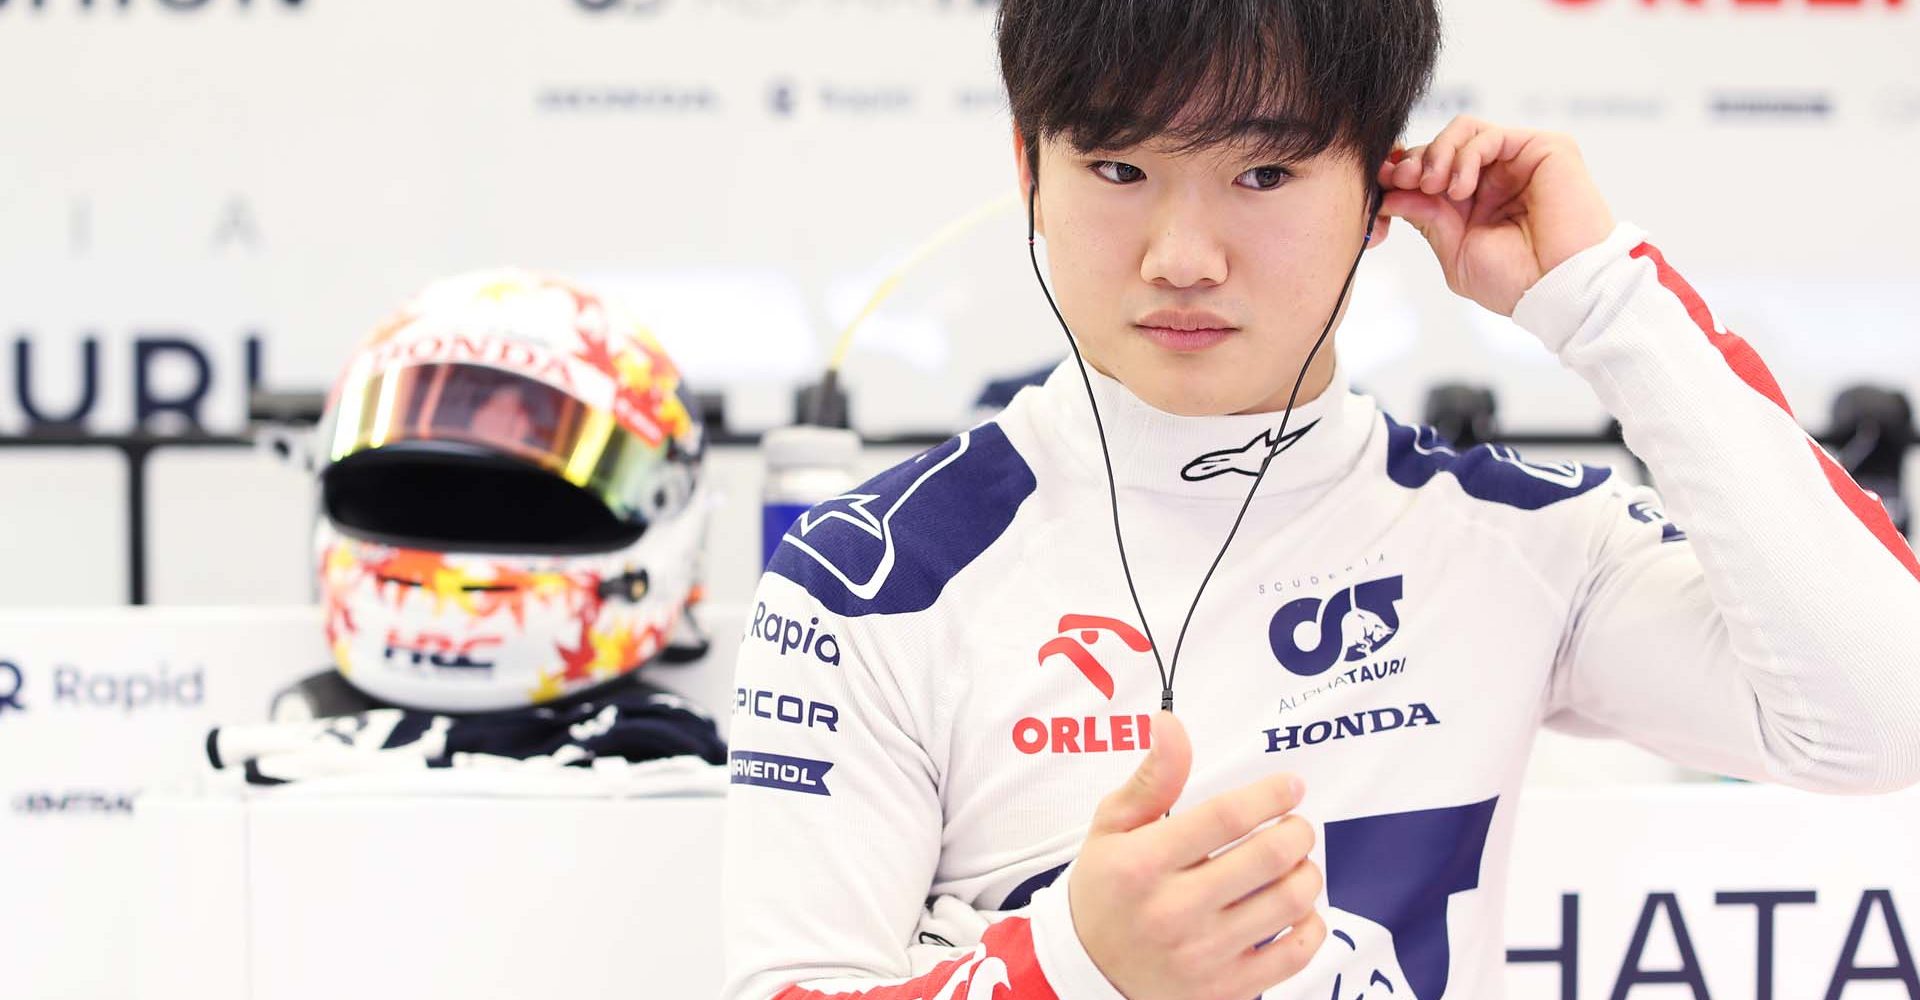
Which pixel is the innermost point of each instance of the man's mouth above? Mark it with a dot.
(1185, 330)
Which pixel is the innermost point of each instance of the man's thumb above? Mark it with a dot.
(1154, 786)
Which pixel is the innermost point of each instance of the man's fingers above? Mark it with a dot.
(1406, 173)
(1281, 960)
(1484, 149)
(1155, 785)
(1439, 220)
(1444, 151)
(1253, 864)
(1189, 837)
(1276, 906)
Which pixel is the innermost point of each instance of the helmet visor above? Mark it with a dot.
(471, 409)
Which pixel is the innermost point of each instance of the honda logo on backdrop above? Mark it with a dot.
(776, 8)
(177, 6)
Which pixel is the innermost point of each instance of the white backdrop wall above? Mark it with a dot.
(196, 195)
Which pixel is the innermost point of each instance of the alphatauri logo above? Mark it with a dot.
(1310, 635)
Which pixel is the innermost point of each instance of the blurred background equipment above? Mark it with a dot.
(1872, 434)
(1466, 415)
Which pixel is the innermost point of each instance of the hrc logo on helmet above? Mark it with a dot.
(1351, 625)
(429, 650)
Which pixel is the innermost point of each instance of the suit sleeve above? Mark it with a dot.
(1760, 616)
(834, 818)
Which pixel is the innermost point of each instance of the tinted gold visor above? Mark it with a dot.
(478, 410)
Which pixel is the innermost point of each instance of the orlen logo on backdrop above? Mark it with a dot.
(1310, 635)
(179, 6)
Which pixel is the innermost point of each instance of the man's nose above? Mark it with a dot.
(1183, 249)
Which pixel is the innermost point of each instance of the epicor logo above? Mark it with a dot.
(787, 708)
(1310, 635)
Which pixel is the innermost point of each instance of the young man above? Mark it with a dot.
(950, 780)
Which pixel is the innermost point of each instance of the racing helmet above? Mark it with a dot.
(511, 509)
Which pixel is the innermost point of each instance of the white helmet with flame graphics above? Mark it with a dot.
(510, 505)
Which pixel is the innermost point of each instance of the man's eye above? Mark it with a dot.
(1117, 172)
(1264, 178)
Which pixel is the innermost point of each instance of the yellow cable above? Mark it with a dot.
(886, 288)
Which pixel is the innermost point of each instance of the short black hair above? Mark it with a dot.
(1295, 77)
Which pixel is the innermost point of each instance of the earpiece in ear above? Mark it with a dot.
(1033, 196)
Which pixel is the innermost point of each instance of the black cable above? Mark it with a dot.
(1113, 493)
(1167, 671)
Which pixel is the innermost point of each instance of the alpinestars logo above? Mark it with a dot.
(1310, 635)
(1245, 460)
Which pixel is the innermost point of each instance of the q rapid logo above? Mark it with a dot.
(1351, 625)
(10, 684)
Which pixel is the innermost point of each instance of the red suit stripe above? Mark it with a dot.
(1007, 971)
(1745, 362)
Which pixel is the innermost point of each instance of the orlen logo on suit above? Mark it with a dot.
(1079, 634)
(1310, 635)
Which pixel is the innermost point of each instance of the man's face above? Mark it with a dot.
(1200, 280)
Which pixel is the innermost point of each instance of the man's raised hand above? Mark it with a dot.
(1167, 910)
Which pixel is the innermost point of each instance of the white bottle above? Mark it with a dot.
(805, 466)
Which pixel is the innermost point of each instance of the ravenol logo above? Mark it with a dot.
(1310, 635)
(772, 770)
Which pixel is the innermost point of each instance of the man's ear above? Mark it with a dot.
(1377, 233)
(1023, 165)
